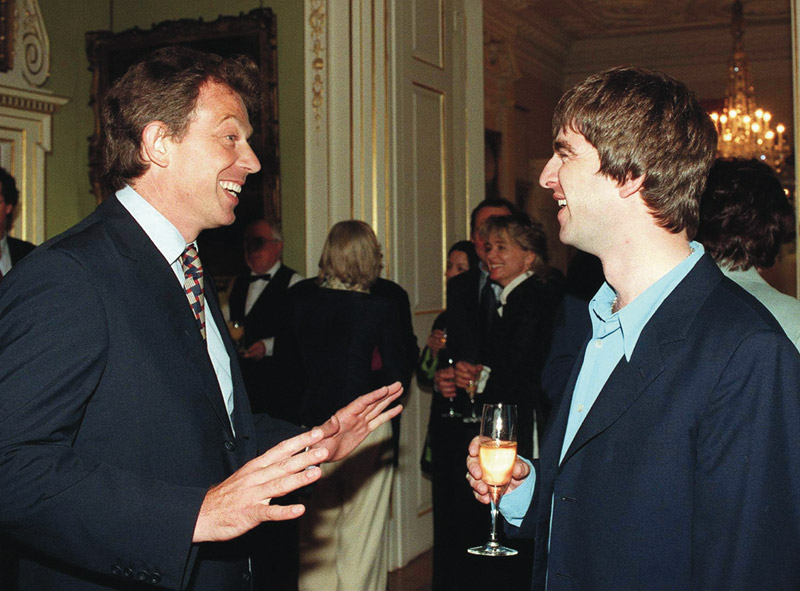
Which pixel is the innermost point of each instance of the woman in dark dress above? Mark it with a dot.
(337, 342)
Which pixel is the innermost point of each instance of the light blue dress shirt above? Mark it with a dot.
(614, 334)
(170, 243)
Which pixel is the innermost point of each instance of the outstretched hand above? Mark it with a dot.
(243, 500)
(345, 430)
(480, 489)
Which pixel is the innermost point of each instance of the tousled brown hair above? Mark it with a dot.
(164, 86)
(645, 123)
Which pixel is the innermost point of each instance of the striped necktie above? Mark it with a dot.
(193, 285)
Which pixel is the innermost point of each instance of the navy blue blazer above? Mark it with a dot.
(112, 424)
(685, 474)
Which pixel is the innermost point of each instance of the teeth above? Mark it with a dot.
(234, 188)
(562, 202)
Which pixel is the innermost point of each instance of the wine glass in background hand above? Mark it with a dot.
(498, 451)
(445, 361)
(236, 330)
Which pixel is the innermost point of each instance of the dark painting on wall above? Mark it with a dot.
(252, 34)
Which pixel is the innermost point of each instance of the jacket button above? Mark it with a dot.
(128, 573)
(141, 576)
(230, 445)
(155, 579)
(116, 570)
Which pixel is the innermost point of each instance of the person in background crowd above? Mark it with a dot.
(671, 461)
(12, 250)
(460, 258)
(516, 253)
(130, 456)
(256, 302)
(337, 339)
(745, 218)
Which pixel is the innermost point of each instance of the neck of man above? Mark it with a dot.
(150, 190)
(641, 259)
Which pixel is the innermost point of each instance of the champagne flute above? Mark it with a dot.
(498, 451)
(472, 390)
(444, 361)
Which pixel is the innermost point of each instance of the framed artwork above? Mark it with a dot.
(6, 35)
(252, 34)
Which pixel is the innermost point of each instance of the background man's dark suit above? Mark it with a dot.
(630, 511)
(18, 249)
(261, 322)
(128, 437)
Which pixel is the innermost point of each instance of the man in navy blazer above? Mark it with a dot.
(130, 458)
(671, 462)
(12, 250)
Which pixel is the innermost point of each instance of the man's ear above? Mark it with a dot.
(155, 144)
(631, 186)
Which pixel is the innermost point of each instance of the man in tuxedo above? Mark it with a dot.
(130, 456)
(11, 249)
(671, 461)
(257, 301)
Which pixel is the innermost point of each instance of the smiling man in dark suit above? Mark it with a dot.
(12, 250)
(671, 462)
(130, 458)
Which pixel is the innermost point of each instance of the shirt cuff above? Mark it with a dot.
(514, 505)
(269, 346)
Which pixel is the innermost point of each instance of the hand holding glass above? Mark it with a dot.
(498, 451)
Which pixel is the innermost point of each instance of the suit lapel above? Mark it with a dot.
(154, 279)
(660, 338)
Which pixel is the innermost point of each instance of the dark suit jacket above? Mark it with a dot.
(685, 474)
(391, 290)
(113, 424)
(18, 249)
(260, 323)
(326, 348)
(463, 316)
(518, 345)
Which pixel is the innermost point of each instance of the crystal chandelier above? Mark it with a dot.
(745, 130)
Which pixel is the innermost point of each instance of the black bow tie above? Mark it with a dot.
(265, 277)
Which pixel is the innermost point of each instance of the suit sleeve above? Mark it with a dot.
(747, 472)
(56, 500)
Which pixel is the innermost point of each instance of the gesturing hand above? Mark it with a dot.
(242, 501)
(345, 430)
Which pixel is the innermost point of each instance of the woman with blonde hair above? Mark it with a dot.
(338, 340)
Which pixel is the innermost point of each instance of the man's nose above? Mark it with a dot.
(248, 159)
(550, 172)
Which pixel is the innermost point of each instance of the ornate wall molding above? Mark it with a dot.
(317, 21)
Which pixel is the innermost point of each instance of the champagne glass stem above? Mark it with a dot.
(493, 532)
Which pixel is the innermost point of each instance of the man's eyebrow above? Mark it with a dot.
(563, 148)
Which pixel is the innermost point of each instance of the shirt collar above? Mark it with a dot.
(272, 270)
(634, 317)
(166, 237)
(510, 287)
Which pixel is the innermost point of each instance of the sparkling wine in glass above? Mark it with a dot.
(445, 360)
(472, 390)
(498, 451)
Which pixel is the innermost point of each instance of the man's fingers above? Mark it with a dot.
(384, 417)
(289, 447)
(280, 486)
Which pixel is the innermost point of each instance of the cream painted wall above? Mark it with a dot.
(69, 198)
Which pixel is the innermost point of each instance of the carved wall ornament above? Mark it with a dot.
(35, 45)
(317, 24)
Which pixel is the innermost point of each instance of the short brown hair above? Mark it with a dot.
(164, 86)
(351, 254)
(645, 123)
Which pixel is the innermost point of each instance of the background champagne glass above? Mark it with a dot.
(498, 451)
(445, 360)
(472, 390)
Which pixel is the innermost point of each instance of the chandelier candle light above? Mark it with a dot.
(743, 129)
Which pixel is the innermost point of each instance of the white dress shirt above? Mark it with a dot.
(169, 242)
